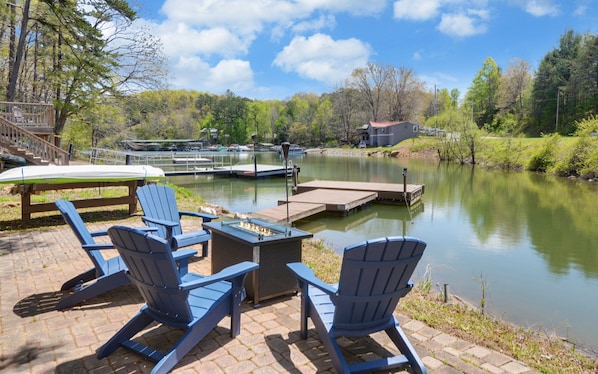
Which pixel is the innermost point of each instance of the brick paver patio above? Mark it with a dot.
(35, 338)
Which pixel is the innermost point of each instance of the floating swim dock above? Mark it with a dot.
(339, 197)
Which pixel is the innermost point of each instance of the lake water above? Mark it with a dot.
(531, 239)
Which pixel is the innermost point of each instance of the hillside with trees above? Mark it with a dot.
(108, 84)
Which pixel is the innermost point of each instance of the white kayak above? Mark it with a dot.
(54, 174)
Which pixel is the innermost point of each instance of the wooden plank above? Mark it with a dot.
(335, 200)
(297, 211)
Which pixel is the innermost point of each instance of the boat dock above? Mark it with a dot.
(239, 170)
(338, 197)
(404, 194)
(193, 163)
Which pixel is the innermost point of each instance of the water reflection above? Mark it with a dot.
(531, 237)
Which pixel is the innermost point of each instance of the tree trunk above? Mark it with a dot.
(14, 74)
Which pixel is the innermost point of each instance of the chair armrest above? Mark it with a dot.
(182, 259)
(183, 254)
(204, 216)
(305, 275)
(99, 233)
(233, 271)
(105, 232)
(163, 222)
(92, 247)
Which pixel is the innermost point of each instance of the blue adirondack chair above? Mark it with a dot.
(160, 211)
(191, 302)
(106, 273)
(374, 275)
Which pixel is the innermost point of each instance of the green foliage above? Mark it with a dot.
(544, 157)
(484, 91)
(587, 126)
(580, 159)
(506, 154)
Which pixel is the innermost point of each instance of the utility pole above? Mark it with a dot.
(558, 100)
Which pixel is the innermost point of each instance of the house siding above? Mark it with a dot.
(384, 134)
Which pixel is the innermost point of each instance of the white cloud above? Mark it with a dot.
(419, 10)
(235, 75)
(460, 25)
(181, 40)
(251, 15)
(311, 25)
(321, 58)
(538, 8)
(417, 56)
(580, 10)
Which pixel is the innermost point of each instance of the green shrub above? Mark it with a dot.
(545, 157)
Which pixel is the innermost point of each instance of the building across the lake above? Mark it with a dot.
(381, 134)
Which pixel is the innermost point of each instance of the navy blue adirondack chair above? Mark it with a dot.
(191, 302)
(160, 211)
(374, 275)
(106, 273)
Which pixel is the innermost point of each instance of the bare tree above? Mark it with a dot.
(404, 94)
(371, 82)
(513, 85)
(348, 112)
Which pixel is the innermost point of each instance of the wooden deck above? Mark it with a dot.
(314, 202)
(297, 211)
(386, 192)
(335, 200)
(339, 197)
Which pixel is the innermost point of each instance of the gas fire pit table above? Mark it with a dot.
(269, 244)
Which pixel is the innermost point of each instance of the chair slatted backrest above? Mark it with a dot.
(74, 220)
(159, 201)
(374, 276)
(153, 270)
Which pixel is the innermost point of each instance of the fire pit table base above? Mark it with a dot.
(231, 245)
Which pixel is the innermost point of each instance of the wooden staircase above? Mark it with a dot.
(27, 131)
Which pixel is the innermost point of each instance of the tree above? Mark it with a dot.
(551, 83)
(404, 94)
(348, 114)
(18, 54)
(513, 87)
(371, 82)
(230, 113)
(583, 83)
(483, 93)
(79, 52)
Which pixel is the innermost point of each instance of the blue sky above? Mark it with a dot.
(272, 49)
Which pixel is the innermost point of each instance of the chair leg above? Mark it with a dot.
(134, 326)
(81, 278)
(184, 345)
(397, 335)
(304, 308)
(204, 249)
(102, 285)
(334, 351)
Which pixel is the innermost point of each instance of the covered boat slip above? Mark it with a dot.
(34, 179)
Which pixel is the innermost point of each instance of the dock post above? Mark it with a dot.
(405, 181)
(285, 151)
